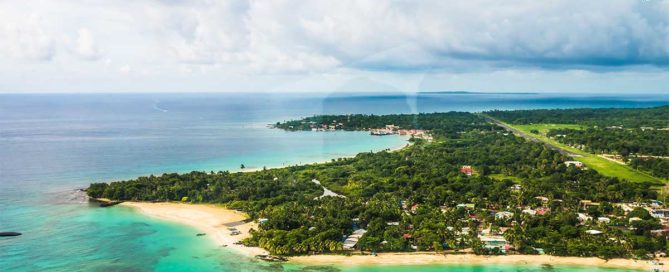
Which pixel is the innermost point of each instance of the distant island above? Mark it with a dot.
(473, 92)
(578, 182)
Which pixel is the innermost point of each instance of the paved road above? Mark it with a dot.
(530, 137)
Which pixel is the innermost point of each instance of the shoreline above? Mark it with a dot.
(214, 221)
(404, 144)
(210, 219)
(468, 259)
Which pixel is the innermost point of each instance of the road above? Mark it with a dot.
(326, 191)
(530, 137)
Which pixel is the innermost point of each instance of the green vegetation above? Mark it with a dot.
(657, 117)
(628, 133)
(502, 177)
(418, 198)
(623, 142)
(657, 167)
(603, 166)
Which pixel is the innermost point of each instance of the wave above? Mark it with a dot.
(156, 107)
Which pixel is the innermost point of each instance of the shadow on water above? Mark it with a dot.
(319, 268)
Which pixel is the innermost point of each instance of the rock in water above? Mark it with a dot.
(9, 233)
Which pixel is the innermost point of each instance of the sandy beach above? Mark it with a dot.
(471, 259)
(214, 221)
(210, 219)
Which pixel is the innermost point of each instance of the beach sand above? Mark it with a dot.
(210, 219)
(471, 259)
(214, 220)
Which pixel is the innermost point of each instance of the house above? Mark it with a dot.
(467, 170)
(503, 215)
(583, 217)
(604, 220)
(495, 241)
(541, 198)
(530, 212)
(576, 164)
(660, 232)
(587, 203)
(352, 240)
(542, 210)
(660, 213)
(468, 206)
(414, 208)
(626, 207)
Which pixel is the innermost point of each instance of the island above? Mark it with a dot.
(516, 185)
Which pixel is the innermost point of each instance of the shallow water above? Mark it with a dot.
(52, 144)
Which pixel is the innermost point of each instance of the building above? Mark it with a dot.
(467, 170)
(352, 240)
(503, 215)
(583, 217)
(577, 164)
(660, 213)
(530, 212)
(495, 242)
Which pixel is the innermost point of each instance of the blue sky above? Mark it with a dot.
(328, 46)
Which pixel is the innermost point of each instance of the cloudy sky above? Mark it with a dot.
(309, 46)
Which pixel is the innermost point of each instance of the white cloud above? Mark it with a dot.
(26, 40)
(223, 42)
(85, 46)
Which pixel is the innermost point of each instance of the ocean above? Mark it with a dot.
(53, 144)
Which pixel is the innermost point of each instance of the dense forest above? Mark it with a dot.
(624, 142)
(657, 117)
(657, 167)
(419, 198)
(639, 136)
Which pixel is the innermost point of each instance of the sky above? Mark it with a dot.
(609, 46)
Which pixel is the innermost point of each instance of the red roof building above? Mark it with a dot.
(467, 170)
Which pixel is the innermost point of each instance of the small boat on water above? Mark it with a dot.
(9, 233)
(201, 234)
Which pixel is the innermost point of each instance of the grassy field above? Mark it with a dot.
(543, 128)
(601, 165)
(503, 177)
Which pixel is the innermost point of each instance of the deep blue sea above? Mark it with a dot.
(52, 144)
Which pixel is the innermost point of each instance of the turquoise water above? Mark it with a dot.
(52, 144)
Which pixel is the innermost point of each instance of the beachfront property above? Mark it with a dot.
(352, 240)
(492, 242)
